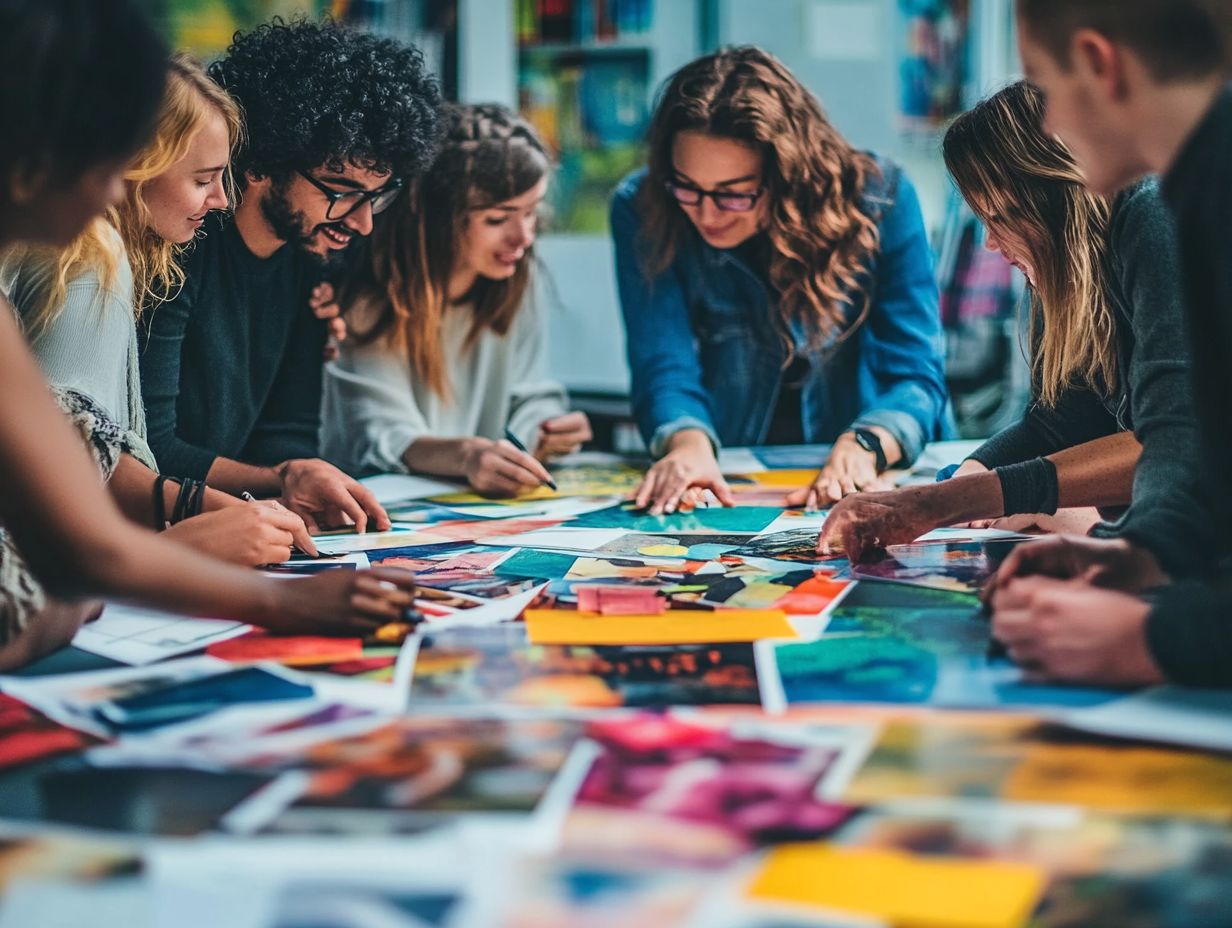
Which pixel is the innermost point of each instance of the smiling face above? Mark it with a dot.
(297, 211)
(1087, 106)
(1012, 244)
(178, 199)
(712, 163)
(496, 238)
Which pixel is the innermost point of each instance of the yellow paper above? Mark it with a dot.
(784, 479)
(905, 890)
(562, 626)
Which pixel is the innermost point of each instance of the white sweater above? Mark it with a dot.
(375, 407)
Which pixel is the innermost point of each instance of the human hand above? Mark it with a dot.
(849, 469)
(562, 435)
(325, 497)
(868, 521)
(688, 468)
(499, 468)
(1112, 563)
(340, 602)
(248, 534)
(324, 305)
(1076, 521)
(1067, 631)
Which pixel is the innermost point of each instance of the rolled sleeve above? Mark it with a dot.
(370, 415)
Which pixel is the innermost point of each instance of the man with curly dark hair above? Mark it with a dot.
(338, 122)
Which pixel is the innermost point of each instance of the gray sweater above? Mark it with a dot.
(376, 406)
(91, 345)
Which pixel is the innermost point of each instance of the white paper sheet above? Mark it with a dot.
(142, 636)
(739, 461)
(390, 488)
(582, 540)
(1172, 714)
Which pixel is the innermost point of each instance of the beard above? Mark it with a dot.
(292, 226)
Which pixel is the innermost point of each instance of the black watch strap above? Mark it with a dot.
(868, 440)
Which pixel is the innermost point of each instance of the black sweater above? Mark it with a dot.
(1153, 397)
(232, 366)
(1190, 627)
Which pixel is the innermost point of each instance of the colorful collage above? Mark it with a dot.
(595, 716)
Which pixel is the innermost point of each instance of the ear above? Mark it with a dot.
(26, 182)
(1101, 61)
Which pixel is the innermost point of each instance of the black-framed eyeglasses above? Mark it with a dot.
(344, 202)
(729, 202)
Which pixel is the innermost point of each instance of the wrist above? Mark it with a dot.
(693, 441)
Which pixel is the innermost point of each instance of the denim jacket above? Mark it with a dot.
(705, 352)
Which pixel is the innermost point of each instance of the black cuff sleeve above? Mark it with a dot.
(1029, 487)
(1189, 633)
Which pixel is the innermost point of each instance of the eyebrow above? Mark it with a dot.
(352, 184)
(213, 170)
(723, 183)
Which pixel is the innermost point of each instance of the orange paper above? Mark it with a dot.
(681, 626)
(288, 649)
(905, 890)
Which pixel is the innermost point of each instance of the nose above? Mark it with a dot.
(991, 242)
(217, 198)
(360, 221)
(523, 234)
(707, 212)
(115, 190)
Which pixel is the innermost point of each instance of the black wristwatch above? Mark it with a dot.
(868, 440)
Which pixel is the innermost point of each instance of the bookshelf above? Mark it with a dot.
(584, 79)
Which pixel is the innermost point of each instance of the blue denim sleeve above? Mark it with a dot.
(665, 371)
(902, 351)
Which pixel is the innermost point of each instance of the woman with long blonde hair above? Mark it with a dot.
(79, 308)
(1110, 421)
(777, 287)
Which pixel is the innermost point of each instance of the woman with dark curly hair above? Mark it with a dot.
(446, 355)
(777, 287)
(66, 144)
(337, 122)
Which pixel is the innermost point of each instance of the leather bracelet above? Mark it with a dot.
(160, 505)
(177, 514)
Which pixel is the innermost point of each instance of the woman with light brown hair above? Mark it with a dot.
(1110, 420)
(777, 288)
(447, 353)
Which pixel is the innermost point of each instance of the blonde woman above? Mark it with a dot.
(777, 287)
(1110, 421)
(79, 307)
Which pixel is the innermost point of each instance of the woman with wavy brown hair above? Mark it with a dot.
(1111, 422)
(777, 288)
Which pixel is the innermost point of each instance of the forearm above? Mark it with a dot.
(440, 456)
(959, 499)
(237, 478)
(161, 573)
(1097, 473)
